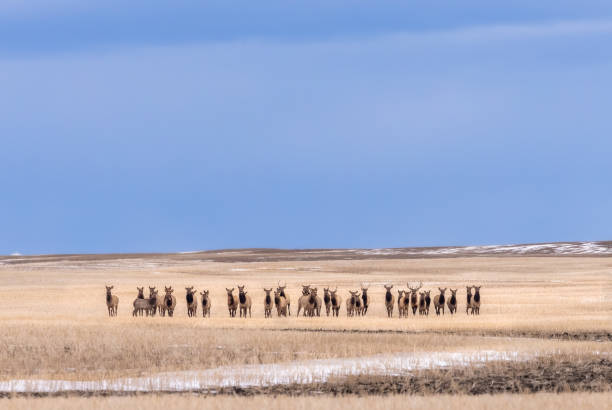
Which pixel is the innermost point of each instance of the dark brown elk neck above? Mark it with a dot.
(268, 299)
(388, 296)
(242, 297)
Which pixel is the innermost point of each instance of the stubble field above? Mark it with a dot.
(545, 326)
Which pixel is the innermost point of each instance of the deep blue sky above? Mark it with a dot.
(175, 126)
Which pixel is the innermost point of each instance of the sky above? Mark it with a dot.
(149, 126)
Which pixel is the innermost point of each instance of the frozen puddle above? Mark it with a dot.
(311, 371)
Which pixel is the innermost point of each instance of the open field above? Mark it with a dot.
(55, 324)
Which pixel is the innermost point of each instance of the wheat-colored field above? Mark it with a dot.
(55, 323)
(494, 402)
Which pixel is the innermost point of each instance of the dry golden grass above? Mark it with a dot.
(151, 402)
(88, 352)
(55, 322)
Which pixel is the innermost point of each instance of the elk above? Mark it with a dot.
(192, 302)
(336, 300)
(406, 303)
(303, 301)
(281, 291)
(159, 306)
(427, 301)
(281, 304)
(244, 301)
(439, 301)
(169, 301)
(205, 303)
(476, 300)
(401, 302)
(414, 303)
(318, 304)
(112, 301)
(365, 299)
(452, 301)
(140, 296)
(327, 300)
(389, 300)
(310, 308)
(232, 302)
(468, 290)
(358, 305)
(154, 299)
(147, 306)
(351, 303)
(268, 303)
(422, 308)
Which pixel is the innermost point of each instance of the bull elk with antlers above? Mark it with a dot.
(414, 301)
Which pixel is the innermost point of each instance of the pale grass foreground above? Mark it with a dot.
(539, 401)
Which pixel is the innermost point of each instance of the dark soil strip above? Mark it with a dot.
(541, 375)
(586, 336)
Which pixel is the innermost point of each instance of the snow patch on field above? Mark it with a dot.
(312, 371)
(570, 248)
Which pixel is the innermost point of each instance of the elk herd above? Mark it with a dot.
(309, 303)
